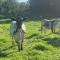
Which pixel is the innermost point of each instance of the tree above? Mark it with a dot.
(45, 7)
(12, 8)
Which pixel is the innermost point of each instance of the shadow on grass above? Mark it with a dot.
(53, 41)
(58, 33)
(7, 48)
(38, 47)
(3, 55)
(35, 35)
(3, 40)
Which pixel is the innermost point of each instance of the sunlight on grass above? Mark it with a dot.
(37, 46)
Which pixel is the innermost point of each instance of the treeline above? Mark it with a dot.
(48, 8)
(34, 8)
(12, 8)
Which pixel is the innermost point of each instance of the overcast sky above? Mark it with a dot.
(22, 0)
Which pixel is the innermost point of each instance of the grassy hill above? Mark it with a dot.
(37, 46)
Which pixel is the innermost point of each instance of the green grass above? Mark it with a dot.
(36, 46)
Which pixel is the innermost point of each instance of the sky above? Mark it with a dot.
(22, 0)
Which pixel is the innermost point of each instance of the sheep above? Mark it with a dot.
(45, 23)
(18, 36)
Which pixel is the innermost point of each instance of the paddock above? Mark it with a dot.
(35, 44)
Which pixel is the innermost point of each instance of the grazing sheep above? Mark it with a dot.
(45, 23)
(56, 24)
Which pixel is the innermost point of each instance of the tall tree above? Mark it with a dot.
(45, 7)
(12, 8)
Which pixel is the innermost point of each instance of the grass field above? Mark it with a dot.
(36, 46)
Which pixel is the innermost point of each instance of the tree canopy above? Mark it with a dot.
(49, 8)
(12, 8)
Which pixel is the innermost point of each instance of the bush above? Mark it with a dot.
(2, 17)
